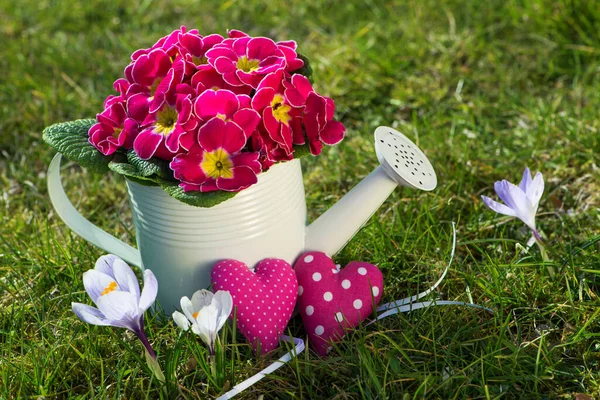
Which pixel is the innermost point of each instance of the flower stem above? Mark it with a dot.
(144, 339)
(154, 366)
(151, 360)
(213, 366)
(545, 258)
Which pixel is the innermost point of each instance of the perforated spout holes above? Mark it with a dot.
(402, 160)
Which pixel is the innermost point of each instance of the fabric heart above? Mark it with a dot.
(332, 301)
(264, 299)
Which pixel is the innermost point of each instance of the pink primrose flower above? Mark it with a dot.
(266, 156)
(269, 151)
(113, 129)
(287, 47)
(193, 48)
(142, 99)
(210, 79)
(149, 69)
(138, 99)
(281, 120)
(320, 126)
(187, 45)
(318, 112)
(163, 128)
(121, 86)
(167, 43)
(246, 60)
(297, 89)
(216, 162)
(229, 107)
(220, 109)
(235, 33)
(291, 57)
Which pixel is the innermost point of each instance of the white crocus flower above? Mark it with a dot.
(206, 313)
(115, 290)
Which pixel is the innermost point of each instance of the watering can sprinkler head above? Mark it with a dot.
(402, 163)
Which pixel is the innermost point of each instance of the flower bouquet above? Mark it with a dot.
(202, 116)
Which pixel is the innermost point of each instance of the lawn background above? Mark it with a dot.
(485, 88)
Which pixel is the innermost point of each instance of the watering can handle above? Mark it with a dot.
(82, 226)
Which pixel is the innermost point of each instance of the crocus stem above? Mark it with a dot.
(545, 258)
(155, 368)
(144, 339)
(213, 365)
(150, 355)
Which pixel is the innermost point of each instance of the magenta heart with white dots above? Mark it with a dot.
(264, 299)
(330, 300)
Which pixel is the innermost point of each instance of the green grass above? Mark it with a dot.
(485, 88)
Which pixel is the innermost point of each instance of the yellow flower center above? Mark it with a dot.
(111, 287)
(199, 60)
(165, 121)
(117, 132)
(217, 164)
(195, 315)
(247, 65)
(280, 110)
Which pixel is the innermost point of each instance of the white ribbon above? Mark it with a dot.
(425, 304)
(408, 304)
(237, 389)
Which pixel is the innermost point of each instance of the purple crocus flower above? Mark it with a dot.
(519, 201)
(115, 290)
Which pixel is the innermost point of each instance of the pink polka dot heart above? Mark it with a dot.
(264, 299)
(332, 301)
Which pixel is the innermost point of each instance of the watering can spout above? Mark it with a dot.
(402, 162)
(332, 230)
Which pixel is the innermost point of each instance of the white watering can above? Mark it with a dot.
(181, 243)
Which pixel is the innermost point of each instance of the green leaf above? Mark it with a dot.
(306, 69)
(131, 172)
(143, 181)
(198, 199)
(71, 139)
(152, 166)
(154, 366)
(301, 150)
